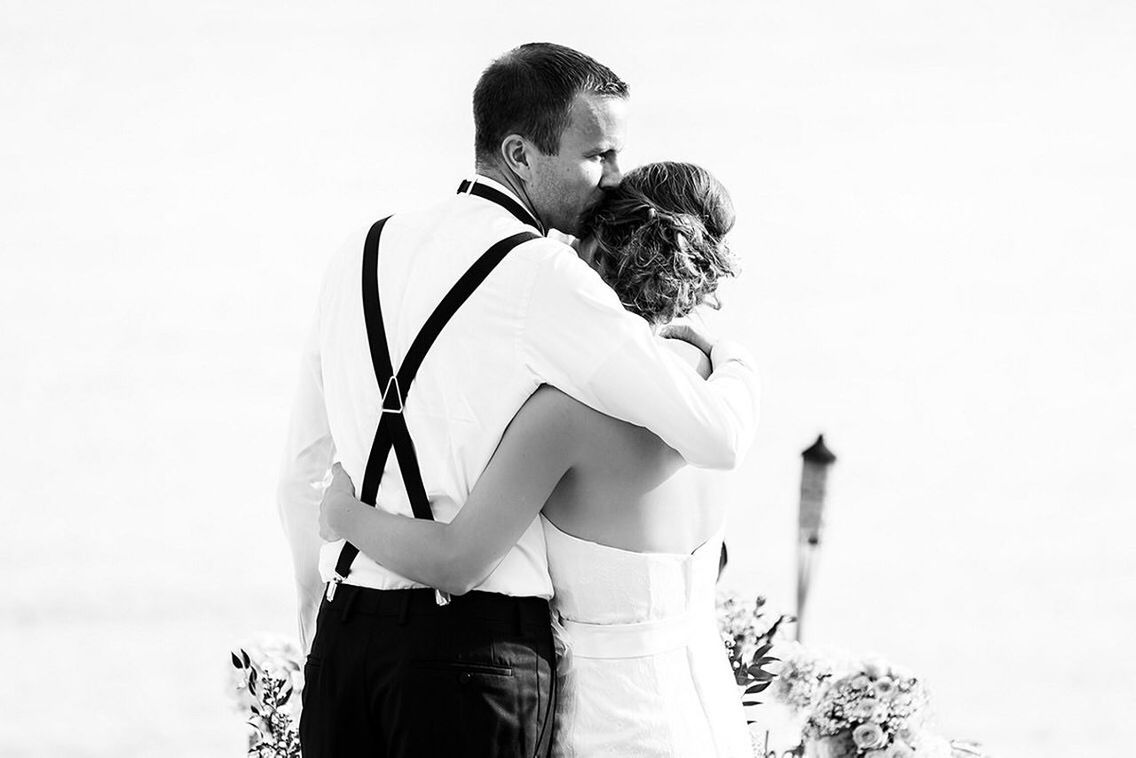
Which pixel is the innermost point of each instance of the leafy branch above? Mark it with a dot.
(275, 734)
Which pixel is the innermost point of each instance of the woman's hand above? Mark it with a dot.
(698, 336)
(338, 498)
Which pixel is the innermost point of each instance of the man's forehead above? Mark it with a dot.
(598, 119)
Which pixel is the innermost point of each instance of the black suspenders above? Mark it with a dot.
(392, 432)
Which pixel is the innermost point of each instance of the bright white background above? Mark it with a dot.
(936, 219)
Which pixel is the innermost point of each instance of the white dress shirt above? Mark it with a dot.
(542, 316)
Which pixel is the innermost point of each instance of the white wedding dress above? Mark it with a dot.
(645, 672)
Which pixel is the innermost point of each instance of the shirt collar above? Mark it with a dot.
(501, 195)
(481, 179)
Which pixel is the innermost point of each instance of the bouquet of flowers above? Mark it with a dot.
(267, 681)
(800, 678)
(869, 709)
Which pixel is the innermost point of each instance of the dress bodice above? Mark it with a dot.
(644, 672)
(599, 584)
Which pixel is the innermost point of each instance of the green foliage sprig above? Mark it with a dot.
(275, 734)
(748, 636)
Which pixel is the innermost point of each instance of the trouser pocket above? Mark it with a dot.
(475, 708)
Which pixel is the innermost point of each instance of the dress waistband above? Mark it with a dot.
(628, 640)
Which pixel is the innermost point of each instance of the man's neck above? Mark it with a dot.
(510, 180)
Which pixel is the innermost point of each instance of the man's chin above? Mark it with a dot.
(566, 227)
(576, 230)
(580, 224)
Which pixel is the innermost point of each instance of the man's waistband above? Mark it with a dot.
(421, 602)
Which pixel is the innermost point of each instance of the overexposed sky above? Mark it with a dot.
(935, 218)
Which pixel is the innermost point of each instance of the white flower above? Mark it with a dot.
(885, 688)
(865, 709)
(868, 736)
(832, 746)
(861, 682)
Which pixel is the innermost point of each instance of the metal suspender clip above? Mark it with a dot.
(392, 397)
(333, 585)
(441, 598)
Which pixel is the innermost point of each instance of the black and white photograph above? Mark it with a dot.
(578, 380)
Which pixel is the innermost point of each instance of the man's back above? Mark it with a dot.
(471, 382)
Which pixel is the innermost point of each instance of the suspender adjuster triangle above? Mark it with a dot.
(392, 396)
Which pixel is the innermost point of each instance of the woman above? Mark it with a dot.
(632, 549)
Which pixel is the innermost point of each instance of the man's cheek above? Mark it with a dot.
(586, 181)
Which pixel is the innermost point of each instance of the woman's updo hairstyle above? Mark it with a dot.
(660, 239)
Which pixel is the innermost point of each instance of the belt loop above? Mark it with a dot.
(404, 606)
(347, 603)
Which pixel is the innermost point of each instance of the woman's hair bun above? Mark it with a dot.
(661, 239)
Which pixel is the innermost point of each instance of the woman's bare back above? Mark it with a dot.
(627, 488)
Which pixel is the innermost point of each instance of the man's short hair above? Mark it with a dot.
(529, 91)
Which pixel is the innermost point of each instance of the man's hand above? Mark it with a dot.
(696, 336)
(337, 498)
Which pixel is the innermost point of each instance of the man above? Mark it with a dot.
(393, 669)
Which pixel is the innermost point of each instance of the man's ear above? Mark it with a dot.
(515, 152)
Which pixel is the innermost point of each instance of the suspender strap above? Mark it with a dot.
(392, 432)
(392, 426)
(506, 202)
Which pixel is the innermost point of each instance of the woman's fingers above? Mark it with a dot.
(340, 480)
(700, 338)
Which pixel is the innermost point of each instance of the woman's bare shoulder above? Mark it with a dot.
(555, 406)
(552, 411)
(549, 412)
(545, 428)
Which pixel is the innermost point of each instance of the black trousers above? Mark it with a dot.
(393, 674)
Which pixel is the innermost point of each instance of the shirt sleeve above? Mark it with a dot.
(308, 455)
(577, 337)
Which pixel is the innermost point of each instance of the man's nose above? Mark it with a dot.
(612, 174)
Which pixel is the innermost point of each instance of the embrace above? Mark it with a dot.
(515, 555)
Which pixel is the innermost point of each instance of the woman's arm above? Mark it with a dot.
(578, 337)
(537, 449)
